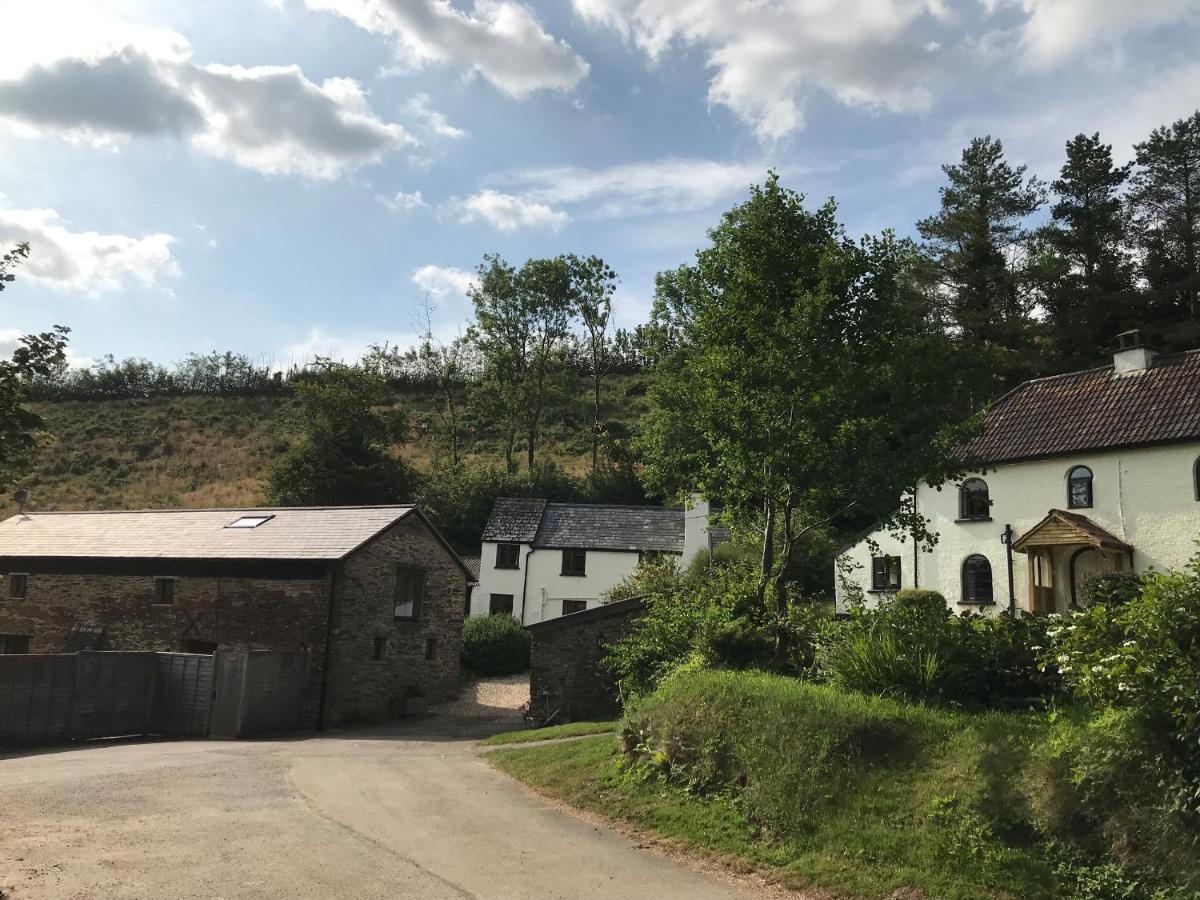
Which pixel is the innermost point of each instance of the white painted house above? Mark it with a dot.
(1084, 472)
(542, 560)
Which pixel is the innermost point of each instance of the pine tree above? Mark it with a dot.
(976, 246)
(1165, 201)
(1088, 283)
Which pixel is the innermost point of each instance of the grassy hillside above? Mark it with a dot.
(212, 451)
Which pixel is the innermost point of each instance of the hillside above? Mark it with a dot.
(212, 451)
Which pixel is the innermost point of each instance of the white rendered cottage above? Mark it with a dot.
(1084, 472)
(542, 560)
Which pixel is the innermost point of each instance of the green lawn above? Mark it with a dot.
(528, 735)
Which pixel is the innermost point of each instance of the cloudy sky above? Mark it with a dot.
(288, 177)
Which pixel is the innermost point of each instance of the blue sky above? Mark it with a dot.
(290, 177)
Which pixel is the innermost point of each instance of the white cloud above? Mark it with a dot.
(269, 118)
(85, 262)
(401, 201)
(432, 121)
(768, 55)
(443, 281)
(501, 40)
(668, 185)
(505, 212)
(346, 348)
(1056, 29)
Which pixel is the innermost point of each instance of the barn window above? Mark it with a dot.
(431, 648)
(1079, 488)
(574, 562)
(573, 606)
(885, 573)
(164, 591)
(973, 500)
(18, 585)
(977, 580)
(508, 556)
(379, 648)
(410, 592)
(14, 643)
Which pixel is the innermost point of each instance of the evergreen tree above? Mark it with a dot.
(976, 247)
(1165, 201)
(1088, 277)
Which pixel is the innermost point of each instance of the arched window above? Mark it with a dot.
(973, 502)
(1079, 488)
(977, 579)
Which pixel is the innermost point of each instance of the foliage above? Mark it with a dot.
(1087, 276)
(495, 645)
(10, 260)
(1109, 588)
(974, 246)
(807, 387)
(1144, 656)
(682, 615)
(549, 733)
(342, 455)
(913, 646)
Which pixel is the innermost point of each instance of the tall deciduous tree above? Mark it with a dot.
(592, 286)
(523, 322)
(1088, 276)
(976, 246)
(809, 386)
(343, 454)
(36, 356)
(1165, 199)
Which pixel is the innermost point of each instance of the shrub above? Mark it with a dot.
(1109, 588)
(930, 602)
(740, 644)
(1144, 656)
(495, 645)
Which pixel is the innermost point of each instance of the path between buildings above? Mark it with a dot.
(411, 810)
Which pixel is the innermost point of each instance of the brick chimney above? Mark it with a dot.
(1132, 354)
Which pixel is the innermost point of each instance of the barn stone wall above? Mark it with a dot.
(566, 660)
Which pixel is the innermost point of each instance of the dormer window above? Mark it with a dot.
(249, 521)
(1079, 488)
(973, 500)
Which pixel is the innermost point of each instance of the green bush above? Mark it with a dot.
(495, 645)
(740, 644)
(1109, 588)
(931, 602)
(1143, 655)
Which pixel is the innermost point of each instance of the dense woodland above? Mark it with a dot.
(1007, 278)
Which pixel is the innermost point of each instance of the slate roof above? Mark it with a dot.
(293, 533)
(589, 527)
(514, 520)
(472, 565)
(1094, 410)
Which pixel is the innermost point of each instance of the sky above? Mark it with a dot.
(286, 178)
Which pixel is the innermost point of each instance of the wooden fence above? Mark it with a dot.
(58, 698)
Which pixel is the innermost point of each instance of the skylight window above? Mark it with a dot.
(249, 521)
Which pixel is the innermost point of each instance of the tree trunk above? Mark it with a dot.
(768, 550)
(782, 599)
(595, 423)
(510, 448)
(529, 449)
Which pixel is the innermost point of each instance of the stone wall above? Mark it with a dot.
(365, 587)
(566, 660)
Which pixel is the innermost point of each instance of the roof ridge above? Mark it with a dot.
(200, 509)
(617, 506)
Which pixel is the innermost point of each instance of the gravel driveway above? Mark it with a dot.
(412, 810)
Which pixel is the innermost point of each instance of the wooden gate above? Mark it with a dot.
(37, 696)
(259, 692)
(183, 693)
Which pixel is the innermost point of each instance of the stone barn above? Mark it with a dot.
(373, 593)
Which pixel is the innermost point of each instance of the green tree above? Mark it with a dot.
(36, 356)
(523, 322)
(976, 247)
(592, 286)
(810, 387)
(1165, 199)
(343, 453)
(1089, 293)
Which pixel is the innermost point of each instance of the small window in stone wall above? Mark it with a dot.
(431, 648)
(410, 592)
(18, 585)
(14, 643)
(379, 648)
(164, 591)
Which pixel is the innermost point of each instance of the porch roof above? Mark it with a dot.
(1061, 527)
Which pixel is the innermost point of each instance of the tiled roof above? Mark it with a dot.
(472, 564)
(1094, 410)
(292, 533)
(590, 527)
(514, 520)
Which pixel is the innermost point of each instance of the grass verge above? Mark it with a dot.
(529, 735)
